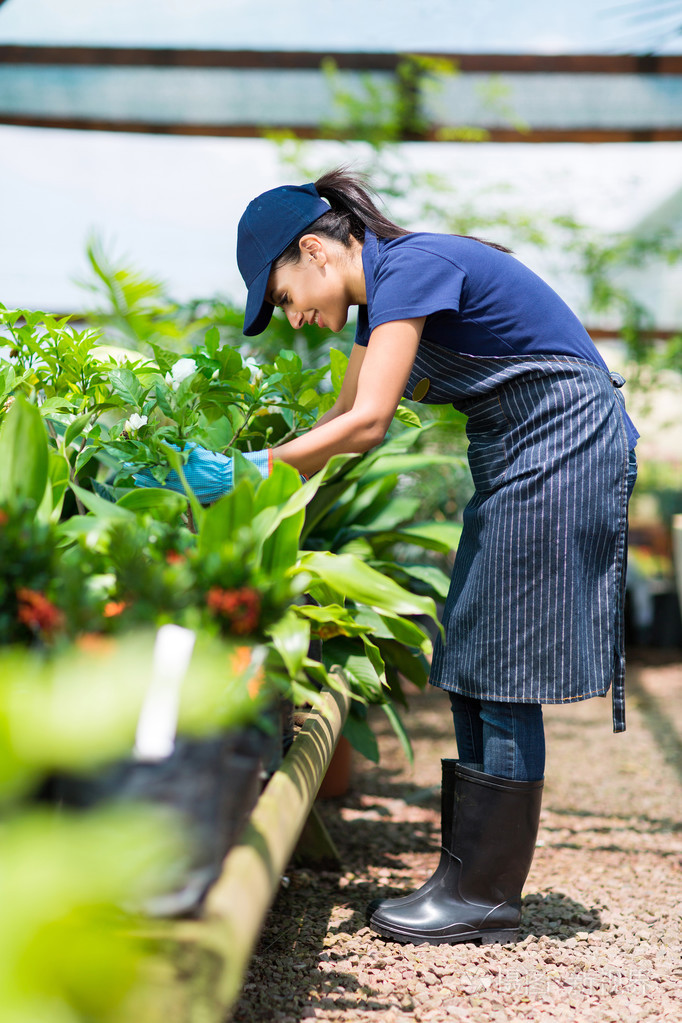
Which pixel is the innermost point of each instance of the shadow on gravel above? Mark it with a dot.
(553, 914)
(659, 722)
(625, 822)
(556, 915)
(292, 970)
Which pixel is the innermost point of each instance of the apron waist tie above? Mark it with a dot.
(618, 704)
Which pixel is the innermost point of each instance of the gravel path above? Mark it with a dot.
(601, 929)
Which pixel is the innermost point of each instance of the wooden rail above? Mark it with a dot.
(490, 63)
(202, 962)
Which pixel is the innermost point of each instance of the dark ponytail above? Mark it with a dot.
(352, 211)
(351, 203)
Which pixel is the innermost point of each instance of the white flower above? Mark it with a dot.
(134, 423)
(102, 585)
(182, 369)
(255, 371)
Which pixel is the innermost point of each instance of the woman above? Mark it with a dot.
(535, 608)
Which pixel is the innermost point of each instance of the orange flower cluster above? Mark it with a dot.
(240, 661)
(240, 607)
(114, 608)
(37, 612)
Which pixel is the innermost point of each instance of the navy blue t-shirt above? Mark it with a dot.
(476, 299)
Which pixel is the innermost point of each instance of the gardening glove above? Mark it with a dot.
(208, 473)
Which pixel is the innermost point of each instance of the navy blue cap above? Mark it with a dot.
(270, 223)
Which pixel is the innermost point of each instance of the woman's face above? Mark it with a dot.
(319, 288)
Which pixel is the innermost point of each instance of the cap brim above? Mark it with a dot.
(258, 312)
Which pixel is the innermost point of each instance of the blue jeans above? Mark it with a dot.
(507, 739)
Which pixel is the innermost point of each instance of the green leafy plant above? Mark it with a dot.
(68, 954)
(67, 882)
(241, 566)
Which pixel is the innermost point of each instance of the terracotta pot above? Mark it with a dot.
(336, 781)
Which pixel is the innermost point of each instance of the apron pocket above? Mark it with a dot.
(488, 461)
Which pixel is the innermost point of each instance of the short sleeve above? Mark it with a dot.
(412, 281)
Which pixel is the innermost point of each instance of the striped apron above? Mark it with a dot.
(535, 608)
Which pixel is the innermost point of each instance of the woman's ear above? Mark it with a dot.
(312, 249)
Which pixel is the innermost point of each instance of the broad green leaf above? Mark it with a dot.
(75, 428)
(395, 512)
(162, 393)
(56, 404)
(23, 455)
(361, 737)
(120, 356)
(359, 547)
(371, 499)
(212, 340)
(279, 486)
(59, 481)
(442, 536)
(352, 578)
(82, 527)
(44, 510)
(433, 576)
(357, 666)
(339, 364)
(375, 658)
(85, 456)
(401, 629)
(386, 462)
(321, 677)
(321, 501)
(319, 591)
(278, 508)
(337, 618)
(407, 416)
(166, 503)
(243, 469)
(175, 462)
(224, 519)
(413, 666)
(399, 729)
(125, 384)
(99, 506)
(8, 378)
(291, 638)
(280, 548)
(327, 486)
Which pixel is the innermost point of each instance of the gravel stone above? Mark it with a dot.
(601, 935)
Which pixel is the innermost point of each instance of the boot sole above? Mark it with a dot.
(504, 937)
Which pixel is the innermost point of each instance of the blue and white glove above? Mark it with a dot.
(208, 473)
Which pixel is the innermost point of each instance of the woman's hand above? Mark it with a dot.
(208, 473)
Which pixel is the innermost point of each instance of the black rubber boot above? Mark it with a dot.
(478, 895)
(447, 802)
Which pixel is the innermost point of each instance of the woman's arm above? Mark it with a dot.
(375, 386)
(349, 387)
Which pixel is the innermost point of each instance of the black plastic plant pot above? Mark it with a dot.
(212, 783)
